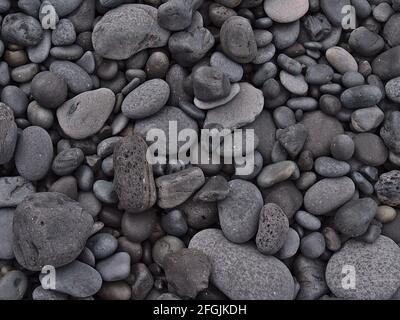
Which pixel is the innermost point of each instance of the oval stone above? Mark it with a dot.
(146, 100)
(8, 134)
(239, 211)
(34, 153)
(85, 114)
(328, 194)
(241, 272)
(237, 40)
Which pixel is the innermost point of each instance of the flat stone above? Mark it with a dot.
(242, 110)
(203, 105)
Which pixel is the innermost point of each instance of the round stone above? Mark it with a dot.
(376, 267)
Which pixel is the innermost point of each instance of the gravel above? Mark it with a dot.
(199, 150)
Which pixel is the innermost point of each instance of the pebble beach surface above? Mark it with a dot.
(314, 84)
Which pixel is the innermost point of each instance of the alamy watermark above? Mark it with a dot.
(214, 146)
(349, 277)
(48, 278)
